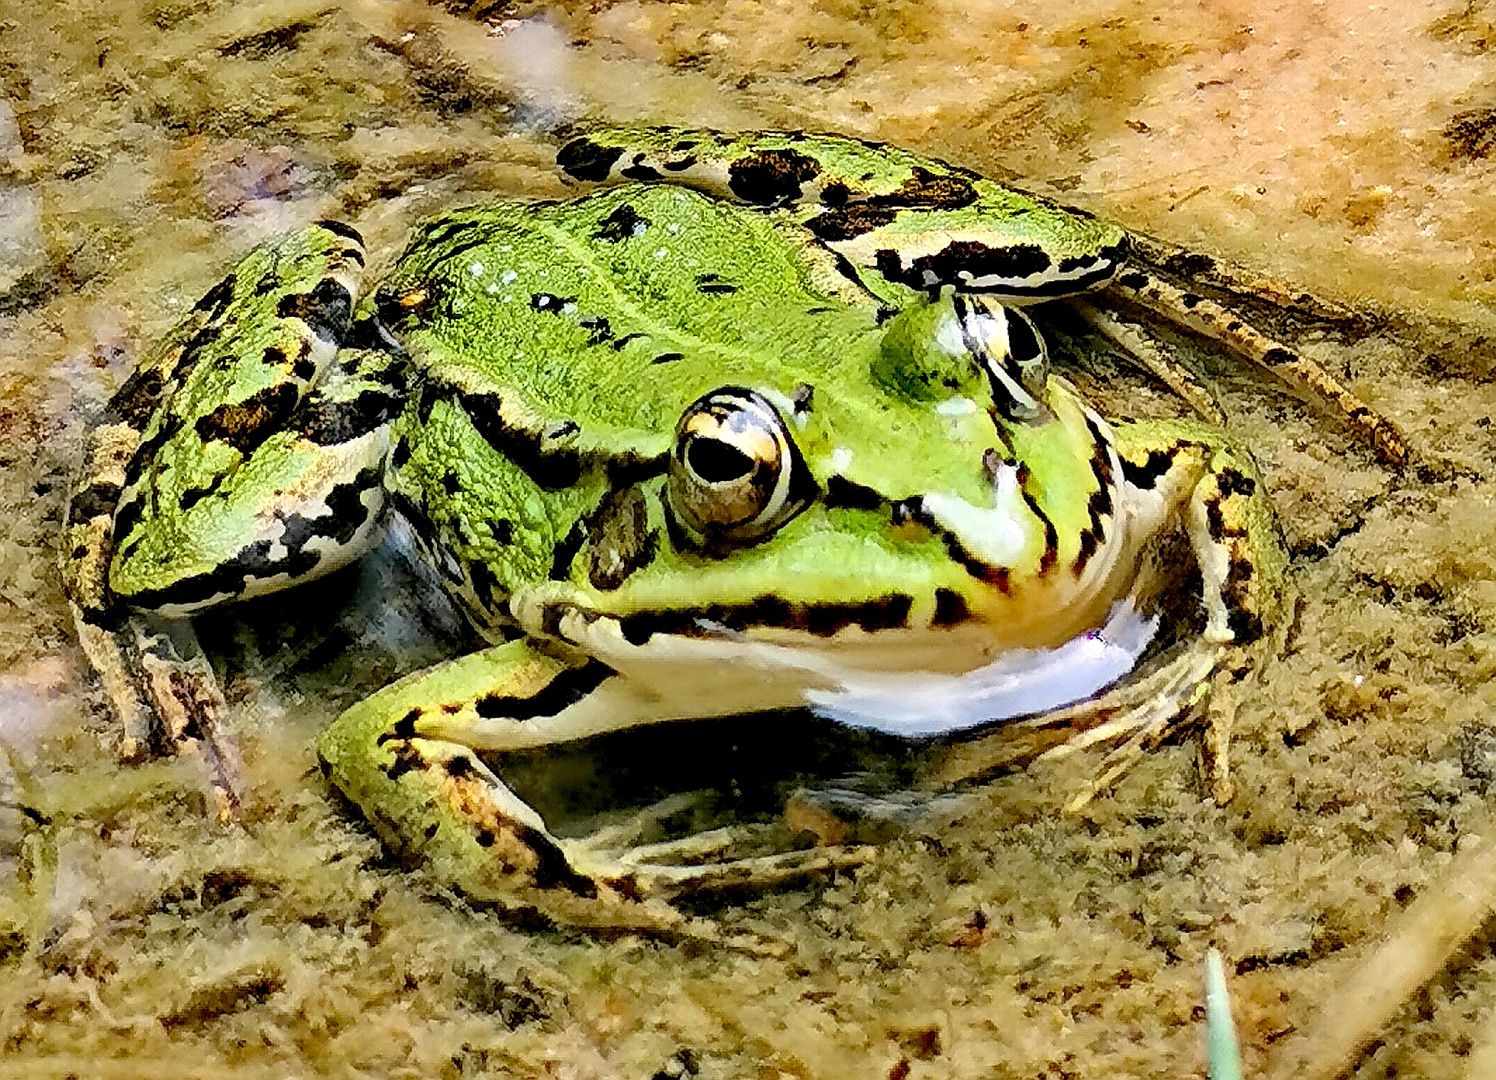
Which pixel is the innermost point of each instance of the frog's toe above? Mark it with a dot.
(185, 700)
(653, 870)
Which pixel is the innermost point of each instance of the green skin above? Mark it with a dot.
(891, 479)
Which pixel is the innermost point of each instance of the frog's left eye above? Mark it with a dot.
(1011, 350)
(736, 475)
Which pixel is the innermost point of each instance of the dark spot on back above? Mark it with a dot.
(835, 193)
(771, 177)
(963, 259)
(137, 399)
(850, 221)
(192, 496)
(644, 174)
(325, 310)
(248, 423)
(931, 191)
(622, 224)
(216, 299)
(586, 160)
(98, 498)
(326, 422)
(549, 302)
(304, 368)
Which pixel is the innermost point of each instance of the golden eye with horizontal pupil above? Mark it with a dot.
(1009, 347)
(735, 474)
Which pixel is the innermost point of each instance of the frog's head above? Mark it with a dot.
(923, 488)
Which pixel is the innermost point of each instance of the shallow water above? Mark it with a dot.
(144, 145)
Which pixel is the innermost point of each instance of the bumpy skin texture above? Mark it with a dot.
(706, 458)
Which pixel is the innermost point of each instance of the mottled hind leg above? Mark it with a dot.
(245, 454)
(1204, 316)
(1243, 600)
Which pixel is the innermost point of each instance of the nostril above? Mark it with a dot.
(992, 463)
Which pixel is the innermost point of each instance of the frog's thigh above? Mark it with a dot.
(304, 502)
(430, 795)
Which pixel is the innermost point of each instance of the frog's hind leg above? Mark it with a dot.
(1204, 316)
(1152, 356)
(407, 757)
(245, 454)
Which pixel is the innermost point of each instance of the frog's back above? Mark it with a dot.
(613, 310)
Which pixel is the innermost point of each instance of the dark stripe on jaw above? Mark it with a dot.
(997, 576)
(562, 692)
(950, 608)
(1100, 505)
(1051, 553)
(1089, 541)
(889, 612)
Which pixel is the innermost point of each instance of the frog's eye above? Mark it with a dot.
(735, 475)
(1012, 352)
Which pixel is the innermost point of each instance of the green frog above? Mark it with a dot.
(760, 423)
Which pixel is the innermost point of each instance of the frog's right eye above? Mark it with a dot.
(735, 476)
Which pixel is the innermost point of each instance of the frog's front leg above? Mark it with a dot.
(407, 757)
(1232, 532)
(1189, 478)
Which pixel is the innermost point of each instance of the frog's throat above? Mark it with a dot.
(899, 683)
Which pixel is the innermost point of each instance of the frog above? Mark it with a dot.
(754, 421)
